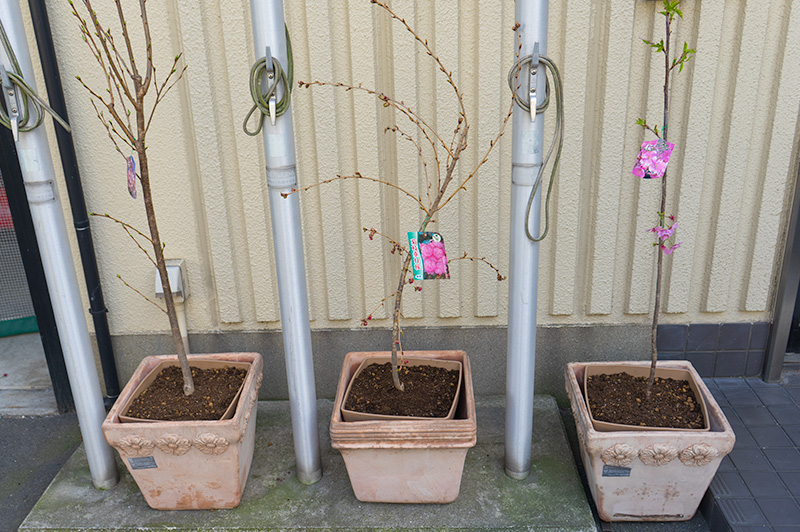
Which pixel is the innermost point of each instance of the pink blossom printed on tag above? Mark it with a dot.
(653, 158)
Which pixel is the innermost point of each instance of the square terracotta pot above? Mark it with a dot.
(405, 461)
(189, 465)
(648, 475)
(451, 365)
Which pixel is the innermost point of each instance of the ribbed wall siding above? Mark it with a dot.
(734, 120)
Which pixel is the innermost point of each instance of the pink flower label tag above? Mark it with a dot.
(131, 177)
(653, 158)
(428, 257)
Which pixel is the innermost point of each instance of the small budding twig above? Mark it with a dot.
(128, 228)
(396, 246)
(357, 175)
(484, 260)
(141, 294)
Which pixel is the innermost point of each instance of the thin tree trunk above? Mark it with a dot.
(662, 210)
(144, 175)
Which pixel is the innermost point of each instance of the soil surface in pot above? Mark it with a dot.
(622, 398)
(428, 391)
(164, 400)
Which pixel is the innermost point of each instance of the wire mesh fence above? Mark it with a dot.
(15, 299)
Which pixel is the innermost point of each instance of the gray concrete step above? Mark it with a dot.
(552, 498)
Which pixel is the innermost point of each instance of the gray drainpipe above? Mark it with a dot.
(269, 32)
(38, 176)
(526, 158)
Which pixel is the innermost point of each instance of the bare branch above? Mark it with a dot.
(492, 144)
(484, 260)
(396, 246)
(388, 101)
(420, 154)
(141, 294)
(357, 175)
(129, 229)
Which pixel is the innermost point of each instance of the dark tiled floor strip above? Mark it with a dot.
(757, 486)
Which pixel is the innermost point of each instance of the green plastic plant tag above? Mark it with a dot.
(428, 257)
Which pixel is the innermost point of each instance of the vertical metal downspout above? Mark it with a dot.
(269, 31)
(526, 158)
(38, 175)
(786, 291)
(80, 218)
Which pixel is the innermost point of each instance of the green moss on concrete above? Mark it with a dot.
(551, 498)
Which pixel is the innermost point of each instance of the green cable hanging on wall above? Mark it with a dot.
(13, 119)
(266, 101)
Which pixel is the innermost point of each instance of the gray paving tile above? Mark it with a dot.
(793, 431)
(741, 396)
(794, 393)
(728, 383)
(744, 440)
(769, 437)
(719, 397)
(786, 414)
(741, 512)
(750, 460)
(726, 465)
(792, 481)
(773, 395)
(755, 416)
(757, 382)
(784, 459)
(729, 484)
(780, 512)
(764, 484)
(732, 416)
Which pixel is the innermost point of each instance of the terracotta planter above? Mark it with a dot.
(648, 475)
(679, 374)
(353, 415)
(182, 465)
(405, 461)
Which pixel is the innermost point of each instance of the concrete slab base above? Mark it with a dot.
(25, 388)
(551, 498)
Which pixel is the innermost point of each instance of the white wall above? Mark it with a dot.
(734, 121)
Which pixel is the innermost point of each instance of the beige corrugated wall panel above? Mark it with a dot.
(612, 173)
(732, 184)
(490, 184)
(567, 195)
(215, 162)
(734, 120)
(701, 134)
(371, 281)
(261, 288)
(774, 182)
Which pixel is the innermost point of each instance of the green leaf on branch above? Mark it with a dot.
(659, 46)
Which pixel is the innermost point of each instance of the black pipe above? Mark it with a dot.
(80, 217)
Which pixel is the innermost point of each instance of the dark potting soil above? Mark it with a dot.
(164, 400)
(622, 398)
(428, 391)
